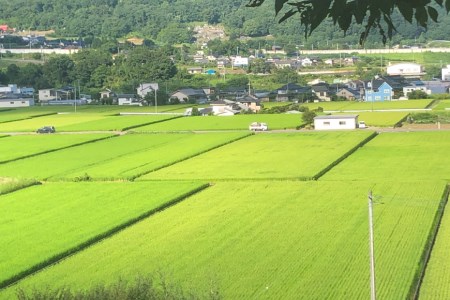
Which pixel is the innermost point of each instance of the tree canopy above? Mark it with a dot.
(373, 14)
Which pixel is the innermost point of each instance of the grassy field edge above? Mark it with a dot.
(345, 155)
(98, 238)
(57, 149)
(149, 123)
(132, 178)
(431, 239)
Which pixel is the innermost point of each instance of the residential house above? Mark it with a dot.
(437, 87)
(224, 108)
(285, 63)
(335, 122)
(223, 62)
(397, 83)
(349, 94)
(357, 85)
(106, 94)
(446, 73)
(239, 61)
(9, 89)
(378, 90)
(322, 91)
(26, 91)
(405, 69)
(249, 102)
(128, 99)
(144, 88)
(46, 95)
(195, 70)
(12, 100)
(416, 86)
(292, 92)
(189, 96)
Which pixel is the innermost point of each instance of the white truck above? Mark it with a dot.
(257, 126)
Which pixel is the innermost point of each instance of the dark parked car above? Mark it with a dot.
(46, 129)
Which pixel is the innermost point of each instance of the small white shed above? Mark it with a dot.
(336, 122)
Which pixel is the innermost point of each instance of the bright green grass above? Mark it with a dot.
(53, 120)
(267, 156)
(383, 105)
(43, 221)
(15, 114)
(115, 123)
(381, 119)
(238, 122)
(133, 153)
(178, 147)
(427, 58)
(398, 156)
(268, 240)
(442, 105)
(14, 147)
(436, 284)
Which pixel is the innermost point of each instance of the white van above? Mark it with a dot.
(362, 125)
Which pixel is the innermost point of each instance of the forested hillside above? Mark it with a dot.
(168, 21)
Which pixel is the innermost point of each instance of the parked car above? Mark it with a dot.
(46, 129)
(257, 126)
(362, 125)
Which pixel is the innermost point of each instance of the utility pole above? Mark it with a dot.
(373, 295)
(156, 101)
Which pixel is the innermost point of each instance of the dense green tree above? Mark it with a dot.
(86, 62)
(175, 34)
(259, 66)
(13, 73)
(32, 75)
(58, 70)
(417, 94)
(308, 116)
(285, 76)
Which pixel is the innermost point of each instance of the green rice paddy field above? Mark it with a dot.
(383, 105)
(443, 105)
(109, 206)
(82, 122)
(239, 122)
(266, 156)
(398, 156)
(123, 156)
(19, 146)
(276, 240)
(43, 221)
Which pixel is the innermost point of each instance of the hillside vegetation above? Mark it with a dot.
(163, 20)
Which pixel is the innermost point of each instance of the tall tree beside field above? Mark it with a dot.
(58, 70)
(146, 65)
(87, 61)
(308, 117)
